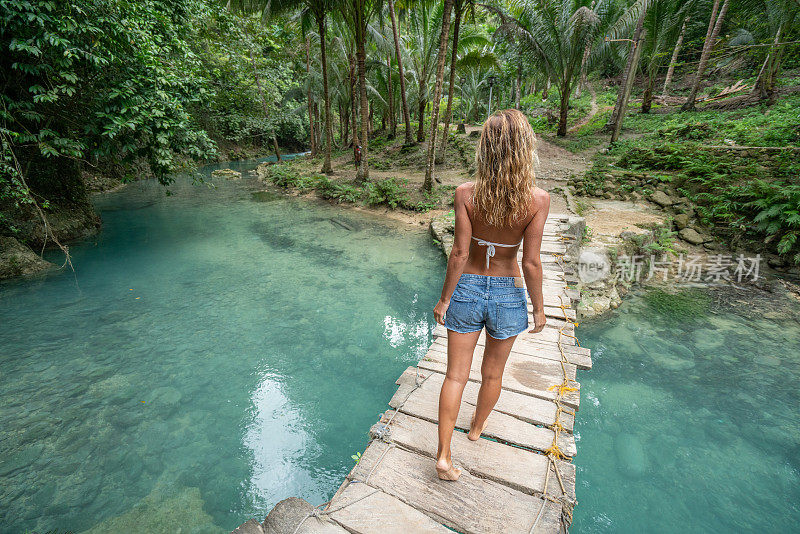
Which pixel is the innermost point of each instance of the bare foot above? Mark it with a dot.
(471, 435)
(447, 471)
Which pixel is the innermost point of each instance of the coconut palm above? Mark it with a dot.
(318, 9)
(714, 26)
(554, 35)
(664, 24)
(427, 184)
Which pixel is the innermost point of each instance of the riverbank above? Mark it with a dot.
(24, 235)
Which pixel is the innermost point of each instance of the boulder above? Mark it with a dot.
(681, 221)
(662, 199)
(18, 260)
(228, 174)
(690, 235)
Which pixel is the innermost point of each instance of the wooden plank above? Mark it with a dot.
(369, 510)
(524, 407)
(518, 468)
(544, 367)
(557, 312)
(517, 379)
(549, 333)
(499, 426)
(471, 505)
(539, 349)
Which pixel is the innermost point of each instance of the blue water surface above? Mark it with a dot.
(215, 351)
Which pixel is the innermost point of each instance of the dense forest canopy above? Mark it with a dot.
(118, 86)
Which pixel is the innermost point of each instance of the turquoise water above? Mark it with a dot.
(690, 424)
(214, 352)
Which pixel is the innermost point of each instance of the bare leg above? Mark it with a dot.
(495, 356)
(460, 348)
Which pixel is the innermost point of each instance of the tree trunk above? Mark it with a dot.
(326, 164)
(546, 90)
(421, 118)
(564, 109)
(448, 115)
(362, 174)
(309, 102)
(406, 114)
(353, 104)
(583, 82)
(437, 94)
(674, 59)
(761, 84)
(627, 78)
(317, 126)
(518, 84)
(647, 97)
(638, 38)
(264, 103)
(390, 90)
(714, 27)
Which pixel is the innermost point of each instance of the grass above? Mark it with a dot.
(392, 192)
(748, 197)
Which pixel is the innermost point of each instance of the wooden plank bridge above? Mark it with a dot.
(518, 478)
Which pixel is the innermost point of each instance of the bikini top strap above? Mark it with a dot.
(490, 247)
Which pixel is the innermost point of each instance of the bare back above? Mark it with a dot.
(504, 259)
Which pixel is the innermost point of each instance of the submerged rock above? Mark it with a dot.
(18, 260)
(228, 174)
(631, 457)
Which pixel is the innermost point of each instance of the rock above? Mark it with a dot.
(288, 515)
(690, 235)
(228, 174)
(662, 199)
(776, 261)
(608, 194)
(18, 260)
(474, 134)
(631, 457)
(681, 221)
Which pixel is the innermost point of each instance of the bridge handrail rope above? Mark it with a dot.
(554, 453)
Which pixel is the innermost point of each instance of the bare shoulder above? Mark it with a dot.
(541, 199)
(464, 191)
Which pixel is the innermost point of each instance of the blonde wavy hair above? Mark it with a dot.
(505, 161)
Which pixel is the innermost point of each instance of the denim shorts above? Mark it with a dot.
(490, 301)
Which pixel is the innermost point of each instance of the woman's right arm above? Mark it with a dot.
(459, 255)
(532, 262)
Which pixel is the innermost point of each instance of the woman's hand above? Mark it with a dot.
(538, 321)
(439, 310)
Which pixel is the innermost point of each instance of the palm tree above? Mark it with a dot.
(674, 59)
(628, 76)
(458, 9)
(780, 17)
(319, 10)
(664, 23)
(714, 25)
(399, 56)
(554, 36)
(424, 19)
(427, 184)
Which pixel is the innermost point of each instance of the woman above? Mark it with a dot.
(483, 287)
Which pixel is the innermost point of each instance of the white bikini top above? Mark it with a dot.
(490, 247)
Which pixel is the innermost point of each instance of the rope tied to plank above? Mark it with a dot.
(554, 452)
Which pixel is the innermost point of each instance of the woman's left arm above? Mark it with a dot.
(459, 254)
